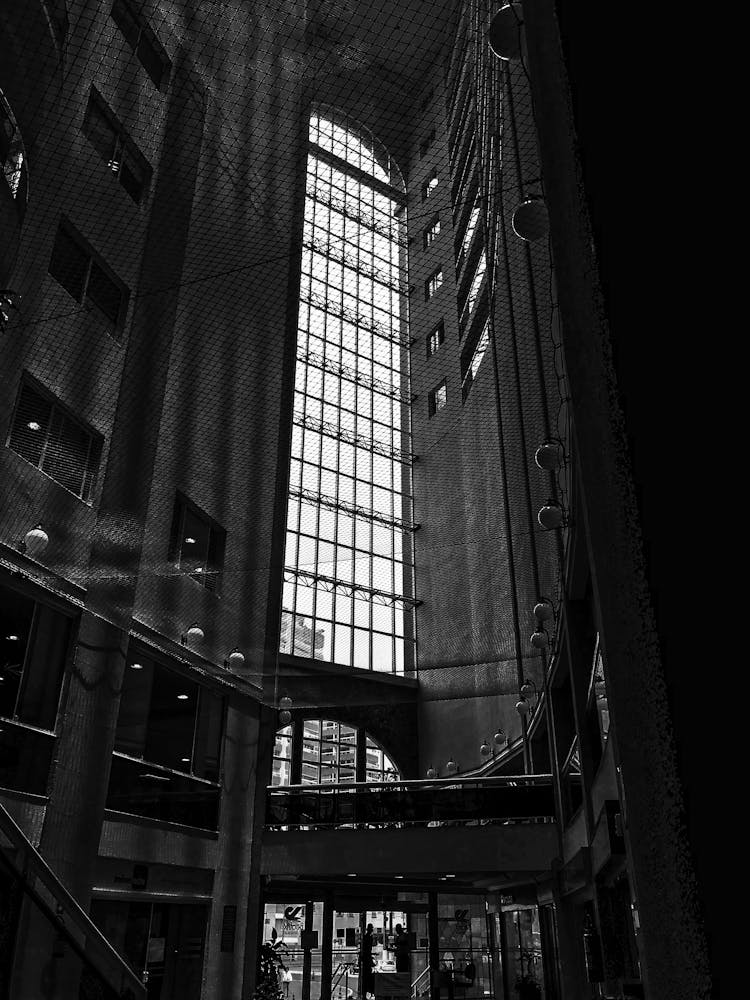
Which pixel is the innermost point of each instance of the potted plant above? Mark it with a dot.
(271, 963)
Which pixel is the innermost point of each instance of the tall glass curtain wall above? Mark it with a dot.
(348, 577)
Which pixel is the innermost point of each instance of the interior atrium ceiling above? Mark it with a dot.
(399, 38)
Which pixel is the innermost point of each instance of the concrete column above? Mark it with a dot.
(223, 969)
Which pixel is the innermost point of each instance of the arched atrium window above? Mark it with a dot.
(349, 579)
(332, 753)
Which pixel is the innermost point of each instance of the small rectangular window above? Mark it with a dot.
(116, 149)
(426, 143)
(437, 398)
(142, 41)
(431, 233)
(196, 544)
(57, 443)
(432, 284)
(435, 338)
(429, 186)
(86, 278)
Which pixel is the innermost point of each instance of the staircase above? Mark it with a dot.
(64, 954)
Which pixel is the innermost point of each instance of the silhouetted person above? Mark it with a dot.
(467, 977)
(366, 963)
(402, 949)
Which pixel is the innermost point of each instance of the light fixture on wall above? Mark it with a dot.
(505, 31)
(431, 772)
(8, 300)
(539, 638)
(544, 610)
(523, 707)
(194, 635)
(529, 689)
(530, 220)
(235, 660)
(34, 542)
(285, 715)
(499, 741)
(550, 516)
(451, 767)
(549, 455)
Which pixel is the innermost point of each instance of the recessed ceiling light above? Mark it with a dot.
(398, 876)
(450, 876)
(33, 425)
(182, 697)
(352, 875)
(12, 638)
(136, 666)
(185, 760)
(190, 540)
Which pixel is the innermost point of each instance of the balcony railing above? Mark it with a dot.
(145, 789)
(463, 802)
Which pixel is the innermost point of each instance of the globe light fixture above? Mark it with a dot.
(505, 32)
(539, 639)
(235, 660)
(550, 516)
(285, 702)
(35, 541)
(485, 749)
(543, 611)
(530, 220)
(499, 738)
(194, 635)
(523, 707)
(528, 689)
(431, 772)
(285, 717)
(549, 456)
(451, 767)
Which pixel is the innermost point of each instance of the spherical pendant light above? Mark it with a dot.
(548, 456)
(550, 516)
(522, 707)
(431, 772)
(527, 689)
(485, 749)
(36, 541)
(530, 220)
(451, 767)
(195, 634)
(499, 738)
(543, 611)
(236, 659)
(285, 702)
(505, 31)
(285, 717)
(539, 639)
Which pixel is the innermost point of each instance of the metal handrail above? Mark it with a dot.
(455, 782)
(99, 952)
(421, 975)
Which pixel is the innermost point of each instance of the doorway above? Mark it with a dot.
(162, 942)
